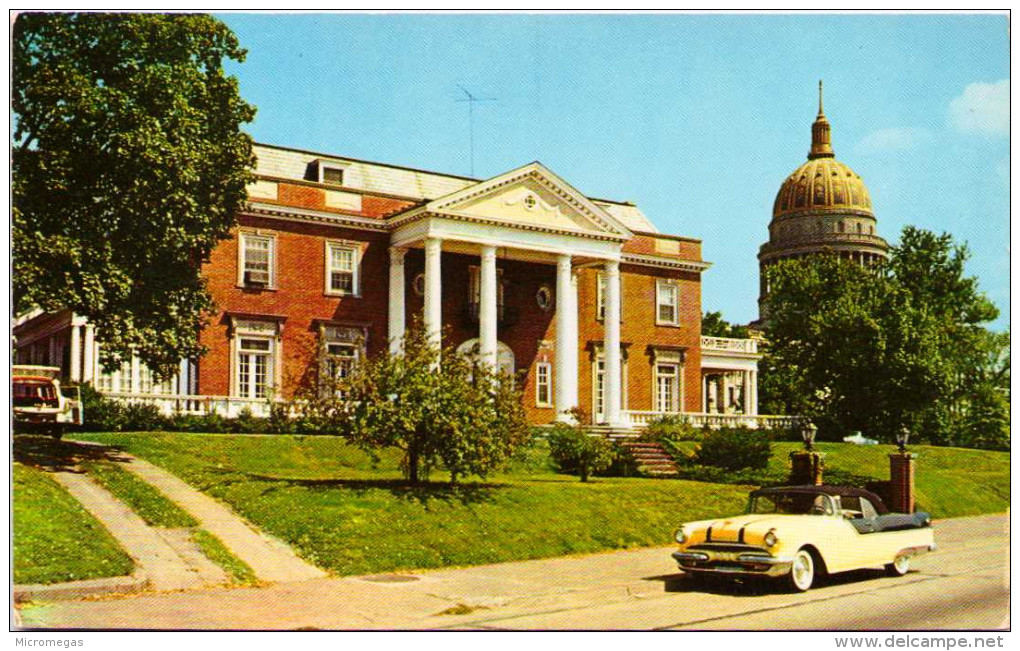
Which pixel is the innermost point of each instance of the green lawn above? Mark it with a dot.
(328, 501)
(350, 516)
(950, 482)
(55, 538)
(240, 573)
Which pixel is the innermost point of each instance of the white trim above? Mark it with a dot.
(675, 286)
(678, 374)
(275, 353)
(548, 384)
(661, 262)
(355, 248)
(242, 235)
(304, 215)
(600, 356)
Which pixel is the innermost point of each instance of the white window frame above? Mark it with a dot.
(676, 375)
(674, 287)
(475, 287)
(355, 250)
(343, 168)
(600, 296)
(242, 245)
(598, 396)
(255, 329)
(547, 383)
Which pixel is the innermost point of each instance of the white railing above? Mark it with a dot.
(641, 419)
(729, 345)
(225, 406)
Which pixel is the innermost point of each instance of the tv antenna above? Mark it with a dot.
(472, 99)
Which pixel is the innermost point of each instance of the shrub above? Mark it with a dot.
(672, 428)
(247, 423)
(734, 448)
(101, 414)
(574, 451)
(143, 417)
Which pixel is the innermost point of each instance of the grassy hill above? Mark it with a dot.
(350, 515)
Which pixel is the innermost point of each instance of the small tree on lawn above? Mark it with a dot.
(576, 451)
(438, 409)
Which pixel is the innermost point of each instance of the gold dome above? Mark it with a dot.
(822, 185)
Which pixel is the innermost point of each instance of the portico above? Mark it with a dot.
(526, 215)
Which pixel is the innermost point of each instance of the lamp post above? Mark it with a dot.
(902, 436)
(808, 433)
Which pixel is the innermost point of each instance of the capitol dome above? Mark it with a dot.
(822, 207)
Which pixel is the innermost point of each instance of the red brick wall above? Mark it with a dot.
(299, 296)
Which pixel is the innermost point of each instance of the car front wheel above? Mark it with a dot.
(898, 567)
(802, 571)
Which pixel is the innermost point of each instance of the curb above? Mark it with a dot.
(80, 589)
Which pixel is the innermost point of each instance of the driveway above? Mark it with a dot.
(963, 585)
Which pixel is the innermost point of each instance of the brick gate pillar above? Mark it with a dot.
(806, 468)
(901, 482)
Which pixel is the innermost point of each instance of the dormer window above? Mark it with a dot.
(331, 173)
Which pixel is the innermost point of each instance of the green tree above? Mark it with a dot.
(439, 409)
(128, 167)
(714, 325)
(878, 349)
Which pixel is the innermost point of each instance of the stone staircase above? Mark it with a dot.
(651, 458)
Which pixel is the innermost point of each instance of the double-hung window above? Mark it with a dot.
(475, 291)
(543, 384)
(667, 302)
(257, 260)
(342, 267)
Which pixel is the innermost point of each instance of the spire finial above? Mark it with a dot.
(821, 138)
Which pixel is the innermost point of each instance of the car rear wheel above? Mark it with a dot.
(898, 567)
(802, 571)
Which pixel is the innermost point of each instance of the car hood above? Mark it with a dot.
(729, 529)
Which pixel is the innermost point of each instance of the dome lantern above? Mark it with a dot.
(821, 132)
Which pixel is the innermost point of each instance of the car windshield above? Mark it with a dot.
(33, 393)
(793, 504)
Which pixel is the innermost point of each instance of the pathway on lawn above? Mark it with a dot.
(270, 559)
(167, 558)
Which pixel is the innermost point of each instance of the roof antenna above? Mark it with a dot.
(472, 99)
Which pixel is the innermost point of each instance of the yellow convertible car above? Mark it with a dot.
(800, 532)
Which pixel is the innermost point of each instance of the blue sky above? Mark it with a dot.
(697, 119)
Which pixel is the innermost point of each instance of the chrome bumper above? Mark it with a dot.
(746, 564)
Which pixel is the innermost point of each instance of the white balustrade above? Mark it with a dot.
(641, 419)
(728, 344)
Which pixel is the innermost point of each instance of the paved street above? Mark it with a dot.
(963, 585)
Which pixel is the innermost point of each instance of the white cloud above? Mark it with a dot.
(892, 139)
(982, 109)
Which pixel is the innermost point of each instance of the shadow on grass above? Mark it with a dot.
(51, 455)
(422, 492)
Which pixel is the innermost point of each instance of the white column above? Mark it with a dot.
(136, 384)
(753, 402)
(565, 375)
(89, 370)
(396, 300)
(747, 393)
(434, 291)
(612, 344)
(75, 370)
(704, 394)
(487, 318)
(724, 403)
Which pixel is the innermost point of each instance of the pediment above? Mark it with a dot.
(530, 196)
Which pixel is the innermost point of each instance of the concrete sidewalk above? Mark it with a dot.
(162, 556)
(270, 559)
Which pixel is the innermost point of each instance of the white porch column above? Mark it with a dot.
(89, 370)
(434, 291)
(724, 402)
(565, 375)
(396, 300)
(753, 402)
(747, 393)
(75, 354)
(612, 344)
(487, 317)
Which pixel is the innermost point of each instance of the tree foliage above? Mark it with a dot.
(714, 325)
(441, 410)
(876, 349)
(128, 167)
(574, 450)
